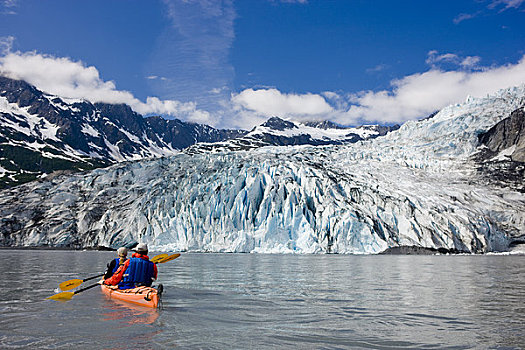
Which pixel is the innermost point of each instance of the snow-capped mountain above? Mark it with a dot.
(278, 132)
(40, 133)
(423, 185)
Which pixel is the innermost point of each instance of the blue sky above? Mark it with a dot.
(235, 63)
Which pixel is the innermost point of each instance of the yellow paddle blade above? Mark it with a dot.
(64, 296)
(67, 285)
(169, 258)
(159, 257)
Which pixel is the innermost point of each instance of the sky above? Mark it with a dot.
(236, 63)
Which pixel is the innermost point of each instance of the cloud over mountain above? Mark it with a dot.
(65, 77)
(410, 97)
(269, 102)
(419, 94)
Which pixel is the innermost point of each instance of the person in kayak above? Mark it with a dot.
(114, 264)
(137, 271)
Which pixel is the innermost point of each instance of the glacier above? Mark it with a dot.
(416, 186)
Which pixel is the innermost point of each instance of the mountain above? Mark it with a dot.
(423, 186)
(278, 132)
(41, 133)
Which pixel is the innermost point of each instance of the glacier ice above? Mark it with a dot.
(413, 187)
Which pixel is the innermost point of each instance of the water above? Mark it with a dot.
(250, 301)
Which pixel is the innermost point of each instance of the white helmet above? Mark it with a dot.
(142, 247)
(122, 252)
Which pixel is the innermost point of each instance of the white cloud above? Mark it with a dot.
(9, 3)
(330, 95)
(220, 90)
(464, 16)
(67, 78)
(411, 97)
(434, 59)
(154, 77)
(470, 61)
(502, 5)
(7, 7)
(507, 4)
(379, 68)
(419, 94)
(6, 44)
(272, 102)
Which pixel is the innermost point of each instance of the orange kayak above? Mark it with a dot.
(145, 296)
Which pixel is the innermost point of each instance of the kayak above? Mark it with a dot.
(144, 296)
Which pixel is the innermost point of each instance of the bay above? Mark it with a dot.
(260, 301)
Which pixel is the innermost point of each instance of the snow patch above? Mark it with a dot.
(114, 151)
(505, 154)
(315, 133)
(89, 130)
(4, 171)
(39, 127)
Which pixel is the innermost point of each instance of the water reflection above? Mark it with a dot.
(117, 310)
(134, 326)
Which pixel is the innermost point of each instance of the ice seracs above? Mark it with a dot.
(417, 186)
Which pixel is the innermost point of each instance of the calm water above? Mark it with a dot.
(247, 301)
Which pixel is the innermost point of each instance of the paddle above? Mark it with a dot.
(168, 258)
(158, 258)
(65, 296)
(70, 284)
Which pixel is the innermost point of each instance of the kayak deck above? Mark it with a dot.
(144, 296)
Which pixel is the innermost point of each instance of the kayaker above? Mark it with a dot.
(137, 271)
(114, 264)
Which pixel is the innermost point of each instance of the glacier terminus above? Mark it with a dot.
(425, 185)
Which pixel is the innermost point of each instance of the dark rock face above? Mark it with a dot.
(326, 124)
(382, 130)
(277, 123)
(430, 116)
(505, 169)
(510, 132)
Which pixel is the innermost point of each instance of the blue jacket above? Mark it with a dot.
(117, 264)
(113, 266)
(140, 272)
